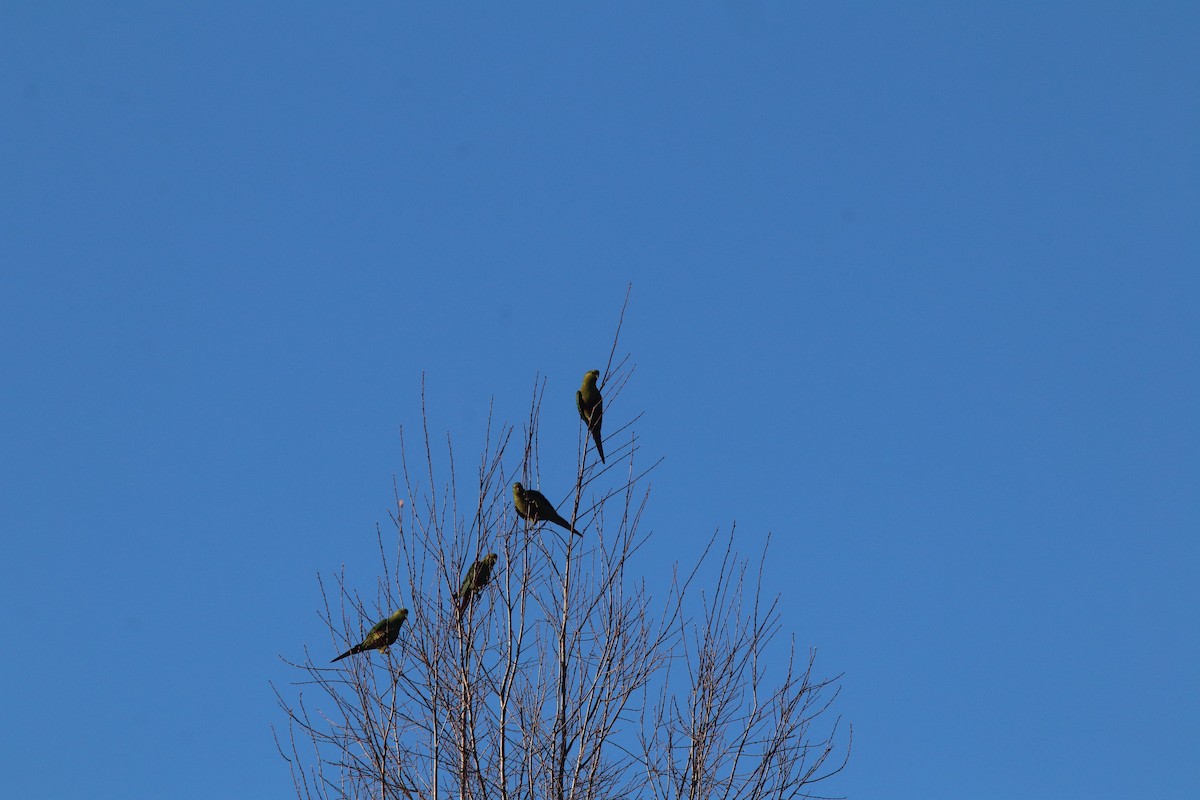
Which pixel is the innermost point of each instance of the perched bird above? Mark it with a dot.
(533, 506)
(476, 578)
(380, 637)
(591, 408)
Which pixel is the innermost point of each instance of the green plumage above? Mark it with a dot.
(591, 408)
(380, 637)
(476, 578)
(533, 506)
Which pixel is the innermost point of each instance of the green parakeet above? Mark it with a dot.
(380, 637)
(591, 408)
(476, 578)
(533, 506)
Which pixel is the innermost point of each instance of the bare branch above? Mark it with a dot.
(566, 675)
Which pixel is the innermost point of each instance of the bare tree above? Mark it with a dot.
(568, 676)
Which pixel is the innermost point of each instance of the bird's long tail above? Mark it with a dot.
(350, 652)
(562, 523)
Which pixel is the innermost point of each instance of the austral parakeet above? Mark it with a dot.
(380, 637)
(591, 408)
(476, 578)
(533, 506)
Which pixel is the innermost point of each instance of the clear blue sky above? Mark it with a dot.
(914, 290)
